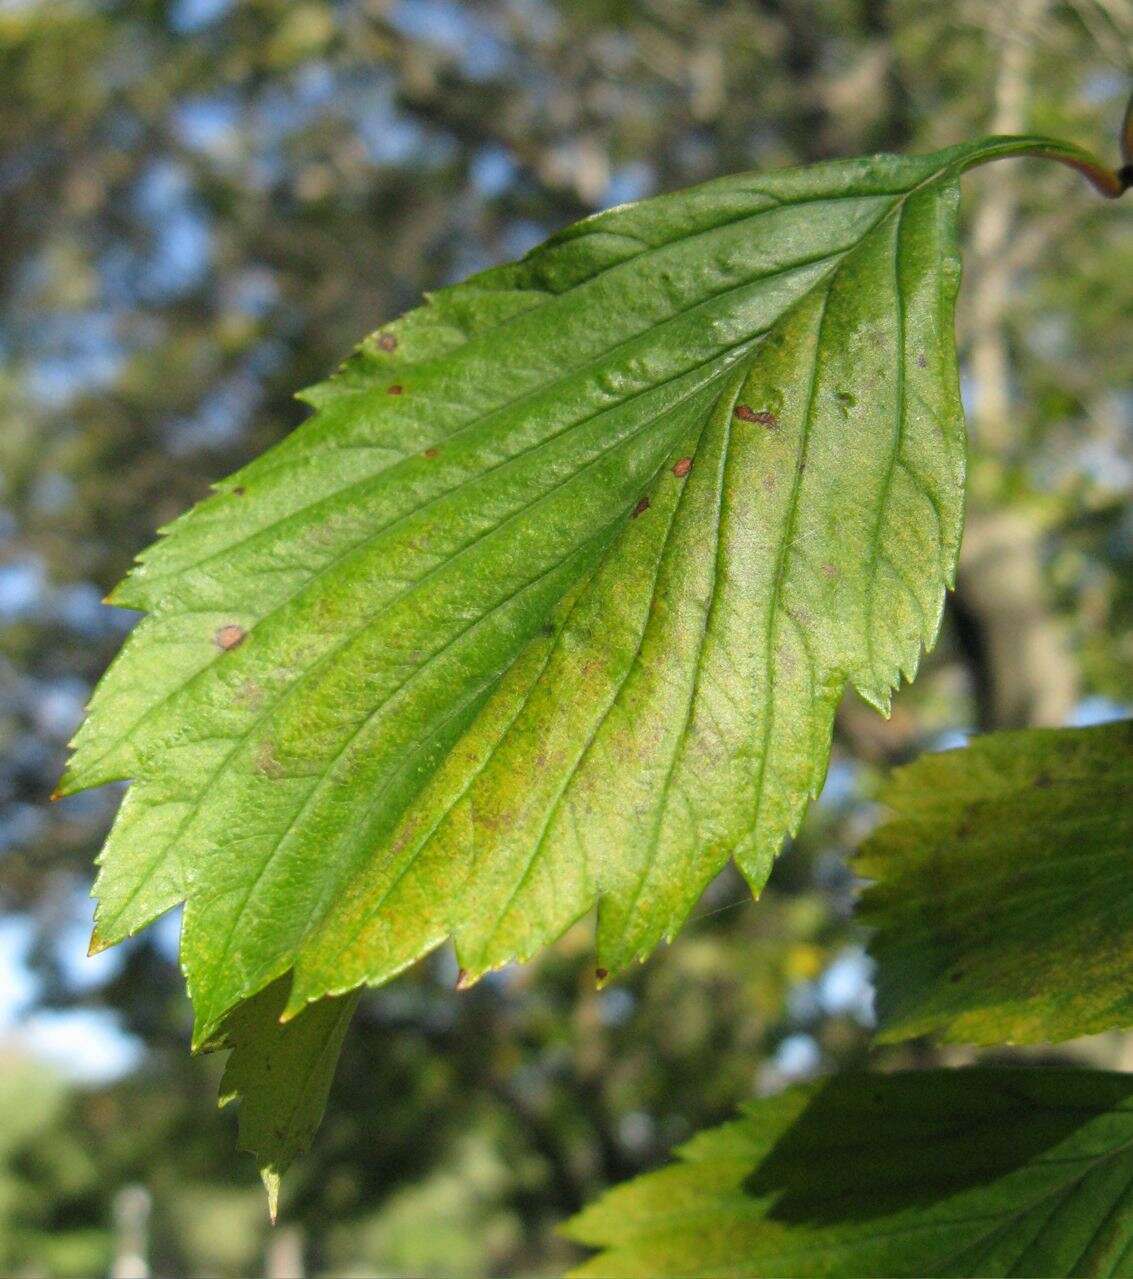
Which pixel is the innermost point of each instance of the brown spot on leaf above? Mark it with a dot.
(763, 416)
(266, 760)
(590, 669)
(682, 467)
(922, 363)
(495, 821)
(404, 836)
(955, 975)
(1044, 781)
(239, 490)
(830, 571)
(251, 692)
(601, 973)
(387, 342)
(396, 389)
(229, 636)
(429, 453)
(640, 508)
(769, 484)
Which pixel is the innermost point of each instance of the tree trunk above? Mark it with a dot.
(1024, 673)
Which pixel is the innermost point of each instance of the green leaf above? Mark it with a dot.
(551, 602)
(1004, 895)
(281, 1075)
(963, 1172)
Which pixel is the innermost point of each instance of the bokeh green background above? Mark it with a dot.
(205, 203)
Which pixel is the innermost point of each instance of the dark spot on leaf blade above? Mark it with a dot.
(228, 637)
(763, 416)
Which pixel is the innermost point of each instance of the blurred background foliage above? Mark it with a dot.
(205, 204)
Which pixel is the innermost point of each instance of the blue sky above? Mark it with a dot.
(85, 1045)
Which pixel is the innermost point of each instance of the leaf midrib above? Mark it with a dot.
(898, 441)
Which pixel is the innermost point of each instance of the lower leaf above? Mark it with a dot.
(1003, 893)
(281, 1075)
(965, 1172)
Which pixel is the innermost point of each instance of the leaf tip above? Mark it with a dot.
(117, 596)
(98, 943)
(296, 1002)
(271, 1181)
(204, 1033)
(67, 784)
